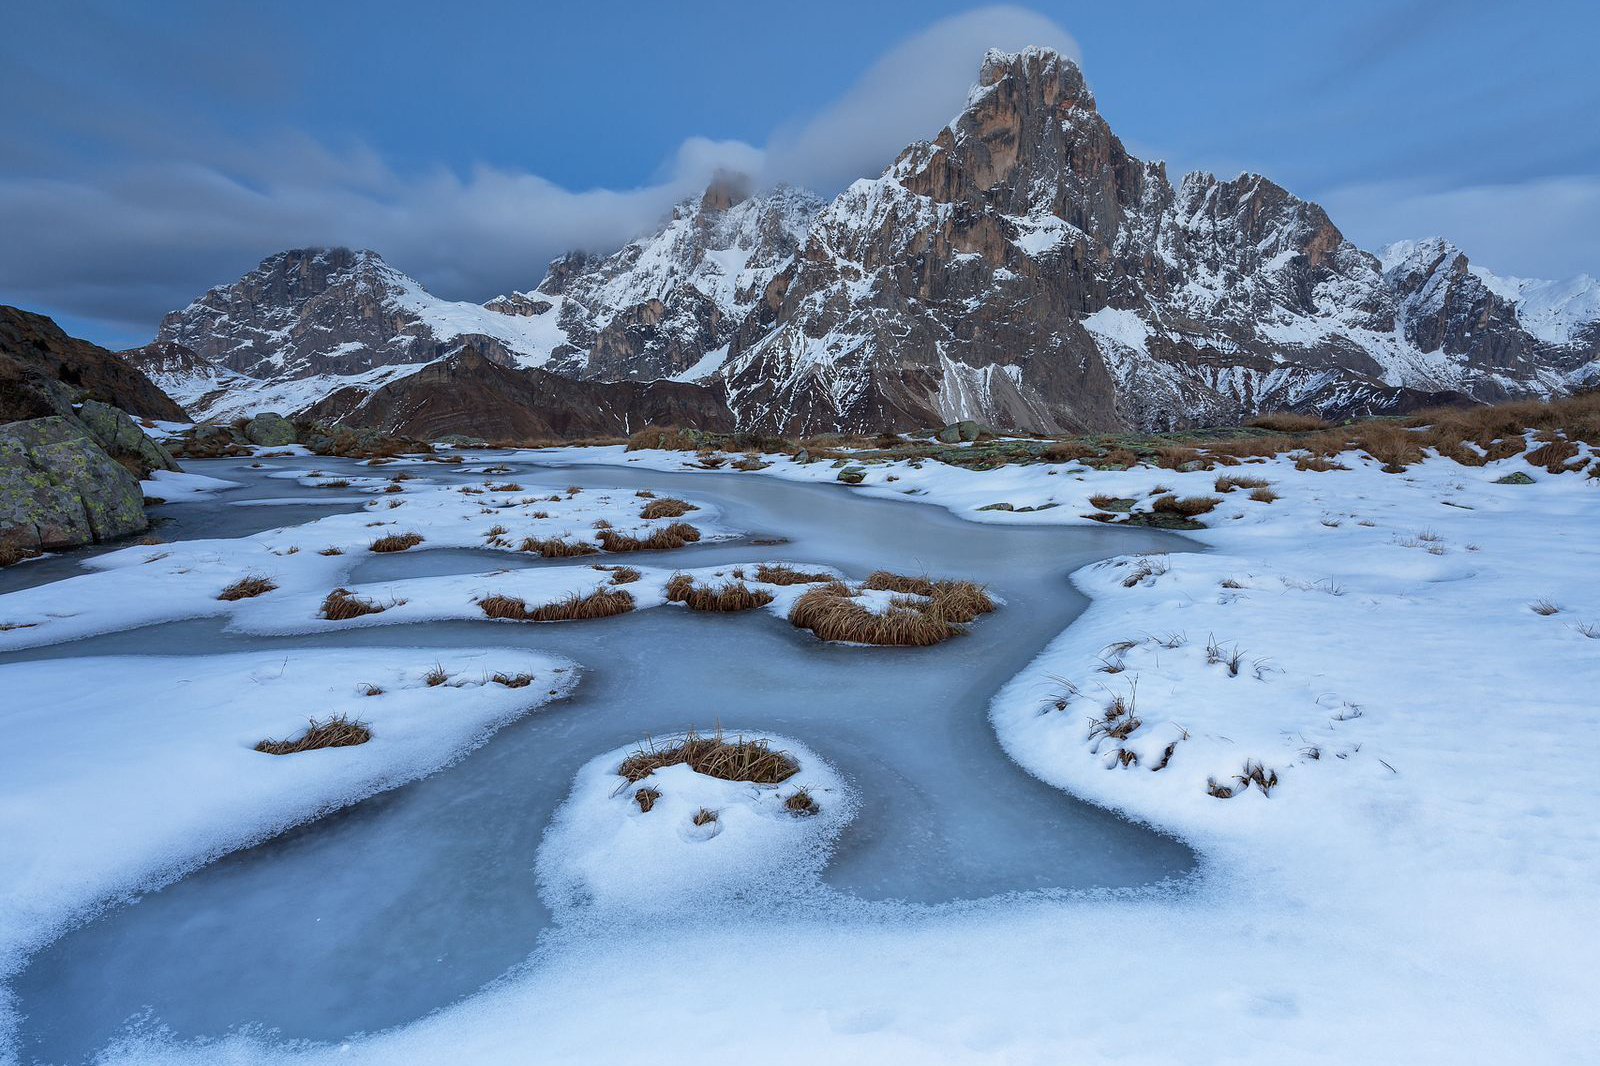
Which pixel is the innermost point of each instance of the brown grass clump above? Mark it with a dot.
(669, 438)
(715, 756)
(1544, 607)
(729, 596)
(334, 483)
(778, 574)
(1289, 422)
(11, 554)
(675, 535)
(245, 587)
(437, 676)
(1187, 506)
(512, 680)
(336, 732)
(331, 550)
(601, 603)
(830, 612)
(507, 486)
(556, 548)
(801, 801)
(396, 542)
(620, 575)
(342, 604)
(1263, 495)
(667, 507)
(646, 798)
(704, 815)
(957, 601)
(1229, 482)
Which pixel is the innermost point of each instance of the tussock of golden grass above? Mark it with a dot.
(729, 596)
(646, 798)
(601, 603)
(1263, 495)
(437, 676)
(1289, 422)
(556, 548)
(715, 756)
(371, 690)
(342, 604)
(800, 801)
(245, 587)
(620, 575)
(11, 554)
(512, 680)
(956, 601)
(704, 815)
(396, 542)
(331, 550)
(1229, 482)
(675, 535)
(1187, 506)
(334, 483)
(669, 438)
(778, 574)
(830, 612)
(335, 732)
(666, 507)
(506, 486)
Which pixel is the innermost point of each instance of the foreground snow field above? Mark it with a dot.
(1394, 676)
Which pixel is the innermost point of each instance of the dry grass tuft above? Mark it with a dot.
(956, 601)
(331, 550)
(1263, 495)
(245, 587)
(831, 613)
(675, 535)
(1544, 607)
(646, 798)
(396, 542)
(801, 802)
(715, 756)
(667, 507)
(1289, 422)
(512, 680)
(729, 596)
(578, 607)
(336, 732)
(620, 575)
(437, 676)
(1187, 506)
(556, 548)
(778, 574)
(1229, 482)
(505, 486)
(704, 816)
(342, 604)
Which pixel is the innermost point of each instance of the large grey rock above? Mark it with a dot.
(270, 430)
(116, 431)
(59, 489)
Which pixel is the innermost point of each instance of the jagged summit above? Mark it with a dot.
(1020, 267)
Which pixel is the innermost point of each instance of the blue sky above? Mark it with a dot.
(149, 151)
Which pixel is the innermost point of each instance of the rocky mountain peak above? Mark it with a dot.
(727, 188)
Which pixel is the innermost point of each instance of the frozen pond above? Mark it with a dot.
(378, 914)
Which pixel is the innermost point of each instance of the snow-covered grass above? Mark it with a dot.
(606, 858)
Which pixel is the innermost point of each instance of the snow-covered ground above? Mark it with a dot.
(1409, 659)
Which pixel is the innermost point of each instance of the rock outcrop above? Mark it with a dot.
(59, 489)
(469, 394)
(45, 372)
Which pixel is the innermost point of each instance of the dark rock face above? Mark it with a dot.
(44, 372)
(469, 394)
(1024, 270)
(59, 489)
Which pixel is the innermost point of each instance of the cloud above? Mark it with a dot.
(1542, 228)
(121, 240)
(909, 94)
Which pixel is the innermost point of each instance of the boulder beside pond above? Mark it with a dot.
(59, 488)
(123, 439)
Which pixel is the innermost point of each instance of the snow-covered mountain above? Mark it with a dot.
(667, 304)
(1021, 268)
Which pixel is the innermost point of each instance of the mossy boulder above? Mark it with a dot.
(121, 437)
(59, 488)
(852, 475)
(270, 430)
(1515, 478)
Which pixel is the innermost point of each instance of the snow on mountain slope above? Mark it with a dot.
(659, 305)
